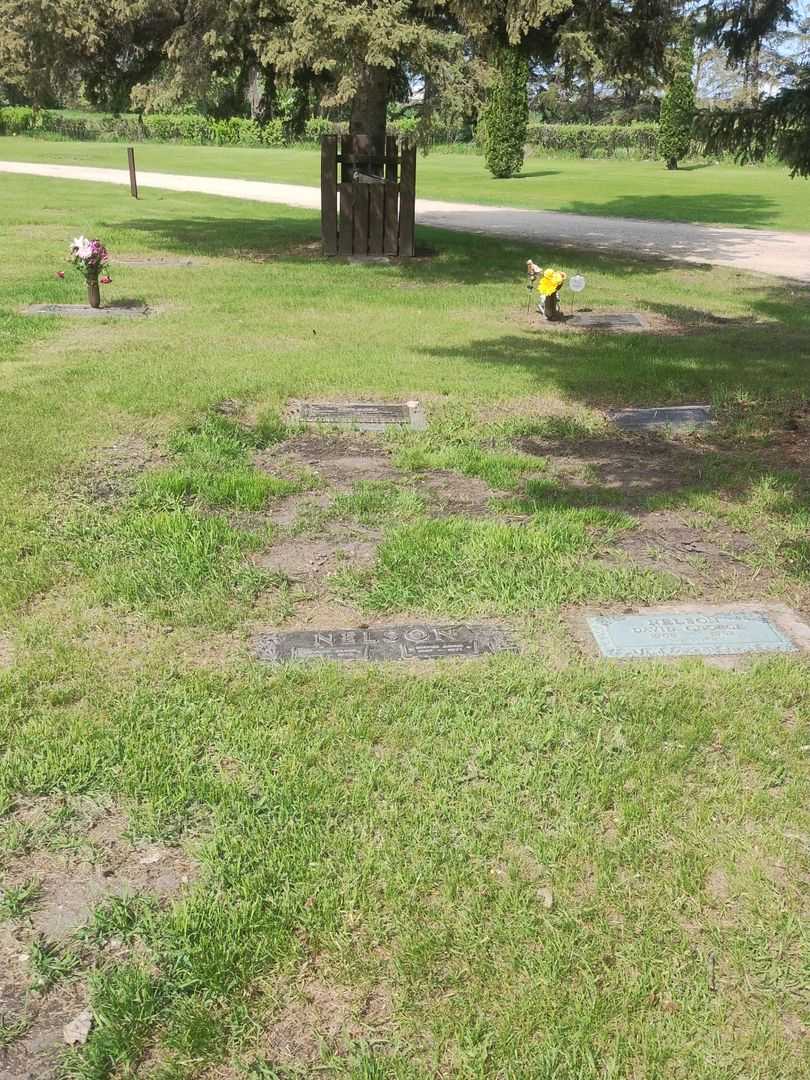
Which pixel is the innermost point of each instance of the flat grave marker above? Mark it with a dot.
(670, 634)
(410, 641)
(686, 417)
(364, 415)
(608, 320)
(84, 311)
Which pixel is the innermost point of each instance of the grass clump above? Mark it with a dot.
(215, 468)
(122, 917)
(50, 963)
(15, 900)
(456, 566)
(173, 563)
(372, 502)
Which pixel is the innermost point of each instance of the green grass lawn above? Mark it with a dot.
(753, 197)
(534, 865)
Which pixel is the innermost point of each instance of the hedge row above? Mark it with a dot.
(157, 127)
(580, 140)
(596, 140)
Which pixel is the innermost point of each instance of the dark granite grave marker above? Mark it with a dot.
(680, 416)
(627, 637)
(608, 320)
(407, 642)
(84, 311)
(365, 415)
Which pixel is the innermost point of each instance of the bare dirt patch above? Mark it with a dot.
(92, 860)
(76, 852)
(636, 467)
(302, 560)
(116, 467)
(321, 1016)
(454, 493)
(667, 543)
(340, 460)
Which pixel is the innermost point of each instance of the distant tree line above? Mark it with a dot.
(449, 65)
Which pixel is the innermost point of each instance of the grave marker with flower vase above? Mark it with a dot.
(90, 258)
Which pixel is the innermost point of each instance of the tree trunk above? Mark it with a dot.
(672, 163)
(369, 107)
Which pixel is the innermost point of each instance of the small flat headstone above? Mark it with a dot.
(628, 637)
(411, 641)
(364, 415)
(608, 320)
(676, 416)
(152, 264)
(84, 311)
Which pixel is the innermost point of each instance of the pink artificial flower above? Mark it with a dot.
(106, 280)
(60, 273)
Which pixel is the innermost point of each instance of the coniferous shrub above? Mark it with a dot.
(505, 117)
(678, 106)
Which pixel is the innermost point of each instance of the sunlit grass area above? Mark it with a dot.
(712, 193)
(538, 864)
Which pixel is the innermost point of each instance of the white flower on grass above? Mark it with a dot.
(82, 247)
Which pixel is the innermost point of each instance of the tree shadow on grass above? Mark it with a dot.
(760, 360)
(711, 208)
(457, 257)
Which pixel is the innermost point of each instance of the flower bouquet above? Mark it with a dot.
(90, 258)
(549, 287)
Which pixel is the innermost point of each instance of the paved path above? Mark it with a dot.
(781, 253)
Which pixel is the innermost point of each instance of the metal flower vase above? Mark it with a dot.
(93, 292)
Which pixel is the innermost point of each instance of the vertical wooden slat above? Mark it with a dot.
(376, 211)
(390, 199)
(346, 235)
(346, 170)
(360, 210)
(407, 202)
(329, 223)
(133, 179)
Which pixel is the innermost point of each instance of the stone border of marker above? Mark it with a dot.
(721, 634)
(359, 415)
(84, 311)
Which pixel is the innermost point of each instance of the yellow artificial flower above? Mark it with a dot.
(551, 281)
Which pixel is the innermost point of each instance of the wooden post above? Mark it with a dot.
(329, 221)
(391, 207)
(407, 202)
(133, 180)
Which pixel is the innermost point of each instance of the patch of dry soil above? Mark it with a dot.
(322, 1017)
(118, 465)
(340, 460)
(666, 543)
(303, 560)
(637, 467)
(73, 879)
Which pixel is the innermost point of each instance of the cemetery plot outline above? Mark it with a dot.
(406, 642)
(673, 634)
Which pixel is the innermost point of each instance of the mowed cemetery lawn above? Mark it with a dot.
(702, 192)
(540, 864)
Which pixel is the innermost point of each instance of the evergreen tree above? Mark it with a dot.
(40, 43)
(678, 106)
(505, 117)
